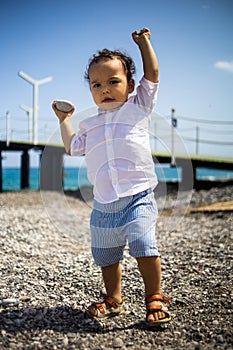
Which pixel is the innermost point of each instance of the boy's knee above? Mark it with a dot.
(104, 257)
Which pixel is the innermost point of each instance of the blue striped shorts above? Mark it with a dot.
(129, 220)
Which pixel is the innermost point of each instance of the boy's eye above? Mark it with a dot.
(112, 82)
(96, 85)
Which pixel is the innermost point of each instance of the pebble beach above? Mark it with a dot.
(48, 278)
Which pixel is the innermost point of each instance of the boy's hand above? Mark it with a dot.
(62, 115)
(150, 62)
(142, 35)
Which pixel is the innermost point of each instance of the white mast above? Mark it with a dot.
(35, 84)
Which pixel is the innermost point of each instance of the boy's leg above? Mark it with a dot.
(112, 280)
(150, 269)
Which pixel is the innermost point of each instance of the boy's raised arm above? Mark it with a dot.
(67, 131)
(149, 59)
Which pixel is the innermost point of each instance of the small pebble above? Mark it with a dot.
(118, 343)
(10, 301)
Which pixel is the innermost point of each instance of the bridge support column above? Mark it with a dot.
(25, 170)
(188, 174)
(51, 169)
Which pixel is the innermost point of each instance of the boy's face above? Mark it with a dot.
(108, 83)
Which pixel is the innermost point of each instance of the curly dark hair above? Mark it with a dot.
(126, 60)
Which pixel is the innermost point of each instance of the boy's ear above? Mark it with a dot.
(131, 86)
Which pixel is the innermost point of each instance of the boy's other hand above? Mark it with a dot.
(142, 35)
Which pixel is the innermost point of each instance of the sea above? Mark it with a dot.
(75, 178)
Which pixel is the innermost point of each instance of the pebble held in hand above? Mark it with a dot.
(64, 105)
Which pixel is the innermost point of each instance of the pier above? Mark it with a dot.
(51, 165)
(189, 166)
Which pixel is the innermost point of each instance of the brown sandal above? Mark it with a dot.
(158, 308)
(112, 308)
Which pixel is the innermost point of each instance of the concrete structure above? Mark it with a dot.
(51, 164)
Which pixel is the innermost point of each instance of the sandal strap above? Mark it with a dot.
(107, 300)
(99, 307)
(112, 302)
(156, 308)
(157, 297)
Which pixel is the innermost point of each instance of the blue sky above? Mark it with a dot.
(192, 39)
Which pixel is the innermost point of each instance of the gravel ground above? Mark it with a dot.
(47, 277)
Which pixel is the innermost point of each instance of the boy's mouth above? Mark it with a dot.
(108, 99)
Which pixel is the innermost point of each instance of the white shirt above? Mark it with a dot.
(117, 148)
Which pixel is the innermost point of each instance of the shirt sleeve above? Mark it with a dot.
(78, 144)
(146, 94)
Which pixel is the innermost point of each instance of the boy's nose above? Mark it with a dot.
(105, 90)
